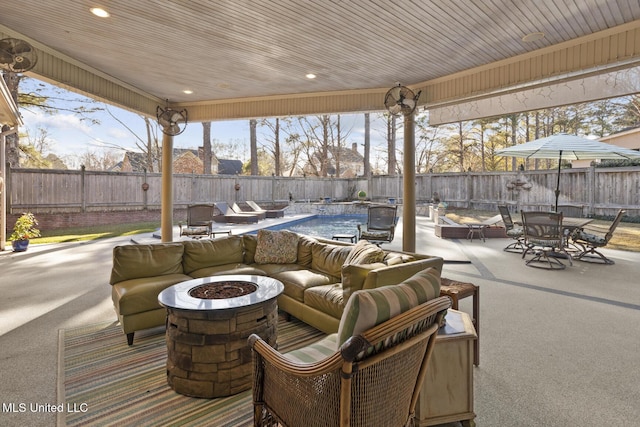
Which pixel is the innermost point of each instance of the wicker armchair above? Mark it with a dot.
(374, 378)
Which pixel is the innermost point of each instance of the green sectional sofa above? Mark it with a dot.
(318, 275)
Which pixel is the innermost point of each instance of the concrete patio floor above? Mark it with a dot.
(557, 348)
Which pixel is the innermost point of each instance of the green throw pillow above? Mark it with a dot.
(370, 307)
(364, 253)
(354, 275)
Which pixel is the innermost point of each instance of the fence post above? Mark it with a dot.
(591, 189)
(469, 189)
(145, 188)
(83, 197)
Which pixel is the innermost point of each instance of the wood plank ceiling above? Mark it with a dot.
(249, 58)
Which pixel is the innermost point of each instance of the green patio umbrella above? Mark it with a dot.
(568, 147)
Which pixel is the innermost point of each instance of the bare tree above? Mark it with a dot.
(84, 108)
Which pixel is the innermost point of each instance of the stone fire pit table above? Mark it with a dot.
(208, 327)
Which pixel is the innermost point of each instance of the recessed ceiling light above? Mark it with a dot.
(100, 12)
(188, 91)
(533, 37)
(310, 76)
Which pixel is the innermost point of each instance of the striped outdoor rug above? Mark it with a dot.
(110, 383)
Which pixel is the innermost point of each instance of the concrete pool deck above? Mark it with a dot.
(557, 347)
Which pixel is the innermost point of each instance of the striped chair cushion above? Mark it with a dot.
(370, 307)
(590, 238)
(316, 351)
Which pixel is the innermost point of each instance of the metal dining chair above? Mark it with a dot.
(544, 238)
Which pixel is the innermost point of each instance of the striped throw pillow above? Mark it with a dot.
(370, 307)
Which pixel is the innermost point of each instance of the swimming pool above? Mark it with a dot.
(324, 225)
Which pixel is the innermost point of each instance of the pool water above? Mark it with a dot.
(325, 225)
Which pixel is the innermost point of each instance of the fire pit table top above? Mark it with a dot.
(179, 296)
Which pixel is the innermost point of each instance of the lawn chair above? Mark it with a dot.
(271, 213)
(513, 231)
(589, 242)
(350, 385)
(543, 235)
(381, 224)
(199, 221)
(228, 215)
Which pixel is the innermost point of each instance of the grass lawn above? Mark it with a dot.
(93, 233)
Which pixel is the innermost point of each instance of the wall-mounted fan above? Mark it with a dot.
(173, 122)
(401, 100)
(17, 56)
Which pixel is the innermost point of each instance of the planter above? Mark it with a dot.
(20, 245)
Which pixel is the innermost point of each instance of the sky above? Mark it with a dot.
(70, 137)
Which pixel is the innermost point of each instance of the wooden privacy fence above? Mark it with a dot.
(594, 191)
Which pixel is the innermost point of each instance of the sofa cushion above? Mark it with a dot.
(315, 352)
(329, 258)
(276, 247)
(141, 294)
(354, 275)
(393, 258)
(392, 275)
(205, 253)
(271, 269)
(305, 254)
(368, 308)
(250, 242)
(228, 269)
(326, 298)
(297, 281)
(364, 252)
(136, 261)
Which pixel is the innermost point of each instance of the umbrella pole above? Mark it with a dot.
(558, 182)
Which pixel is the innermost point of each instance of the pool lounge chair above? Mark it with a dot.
(228, 215)
(237, 209)
(271, 213)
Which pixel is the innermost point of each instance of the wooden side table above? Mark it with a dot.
(457, 291)
(447, 391)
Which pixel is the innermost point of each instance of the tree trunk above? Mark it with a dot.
(367, 145)
(206, 148)
(253, 141)
(391, 145)
(276, 148)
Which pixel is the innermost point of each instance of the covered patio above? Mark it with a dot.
(558, 348)
(233, 60)
(553, 343)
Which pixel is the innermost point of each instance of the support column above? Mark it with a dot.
(3, 195)
(166, 204)
(409, 187)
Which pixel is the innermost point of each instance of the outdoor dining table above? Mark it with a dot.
(571, 223)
